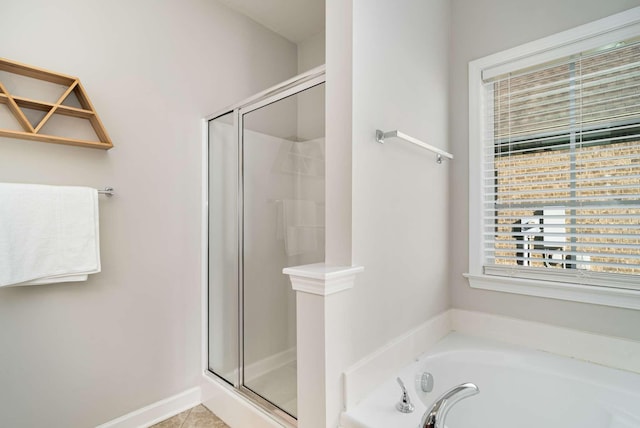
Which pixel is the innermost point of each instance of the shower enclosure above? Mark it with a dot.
(265, 213)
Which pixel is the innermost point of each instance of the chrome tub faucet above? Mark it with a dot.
(434, 417)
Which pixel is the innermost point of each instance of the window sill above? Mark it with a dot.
(607, 296)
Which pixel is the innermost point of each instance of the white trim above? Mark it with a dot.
(608, 351)
(158, 411)
(204, 253)
(608, 296)
(366, 374)
(614, 28)
(320, 279)
(611, 29)
(232, 408)
(476, 131)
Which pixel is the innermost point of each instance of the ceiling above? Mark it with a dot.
(295, 20)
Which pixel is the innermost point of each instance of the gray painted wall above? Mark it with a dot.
(480, 28)
(400, 193)
(77, 355)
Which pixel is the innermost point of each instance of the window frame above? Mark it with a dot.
(621, 26)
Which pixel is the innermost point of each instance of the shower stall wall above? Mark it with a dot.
(265, 213)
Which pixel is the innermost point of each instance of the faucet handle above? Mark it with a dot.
(425, 380)
(404, 405)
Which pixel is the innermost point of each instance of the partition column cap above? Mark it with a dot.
(322, 279)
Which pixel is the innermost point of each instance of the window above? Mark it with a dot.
(555, 146)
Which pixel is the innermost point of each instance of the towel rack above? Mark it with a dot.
(380, 137)
(109, 191)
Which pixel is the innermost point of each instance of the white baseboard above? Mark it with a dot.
(362, 377)
(221, 400)
(234, 410)
(158, 411)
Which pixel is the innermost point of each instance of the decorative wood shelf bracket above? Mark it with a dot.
(32, 132)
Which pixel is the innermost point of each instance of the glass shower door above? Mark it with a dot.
(266, 191)
(283, 225)
(223, 263)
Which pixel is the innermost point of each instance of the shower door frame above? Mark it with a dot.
(295, 85)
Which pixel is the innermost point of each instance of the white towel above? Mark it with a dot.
(48, 234)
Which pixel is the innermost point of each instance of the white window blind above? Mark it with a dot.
(561, 170)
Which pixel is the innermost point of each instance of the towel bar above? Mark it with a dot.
(107, 191)
(380, 136)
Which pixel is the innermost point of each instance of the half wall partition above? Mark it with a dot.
(265, 212)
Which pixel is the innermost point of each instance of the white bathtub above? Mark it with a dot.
(519, 388)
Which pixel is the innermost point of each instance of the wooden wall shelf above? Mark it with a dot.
(31, 132)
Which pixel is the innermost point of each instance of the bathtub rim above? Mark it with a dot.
(456, 342)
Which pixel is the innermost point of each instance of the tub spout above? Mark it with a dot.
(434, 417)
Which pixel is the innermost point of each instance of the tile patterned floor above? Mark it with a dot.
(196, 417)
